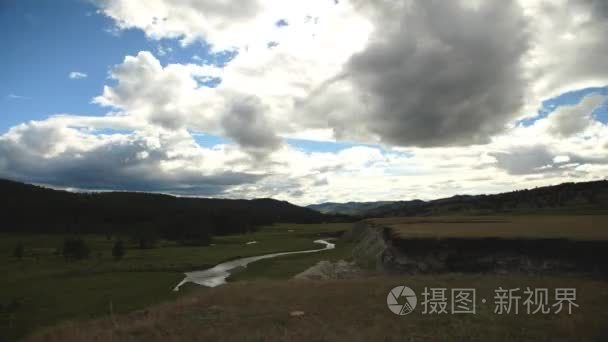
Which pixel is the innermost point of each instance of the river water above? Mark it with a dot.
(217, 275)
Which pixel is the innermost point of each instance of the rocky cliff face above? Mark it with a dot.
(377, 248)
(371, 245)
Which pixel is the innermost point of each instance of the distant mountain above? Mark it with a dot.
(30, 208)
(563, 198)
(566, 197)
(349, 208)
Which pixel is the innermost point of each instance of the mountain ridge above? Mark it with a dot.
(592, 195)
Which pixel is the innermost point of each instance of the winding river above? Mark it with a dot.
(217, 275)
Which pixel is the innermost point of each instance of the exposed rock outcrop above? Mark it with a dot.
(325, 270)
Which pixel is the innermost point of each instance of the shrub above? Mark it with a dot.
(74, 248)
(118, 251)
(18, 252)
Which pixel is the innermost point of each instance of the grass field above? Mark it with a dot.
(348, 310)
(582, 227)
(256, 304)
(47, 289)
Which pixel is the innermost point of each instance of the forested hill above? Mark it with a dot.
(563, 198)
(29, 208)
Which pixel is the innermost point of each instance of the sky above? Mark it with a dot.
(304, 101)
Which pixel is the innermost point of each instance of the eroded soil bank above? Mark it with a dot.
(378, 247)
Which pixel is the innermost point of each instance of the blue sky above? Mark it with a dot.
(571, 98)
(48, 39)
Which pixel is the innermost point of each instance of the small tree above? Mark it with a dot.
(74, 248)
(144, 238)
(18, 252)
(118, 251)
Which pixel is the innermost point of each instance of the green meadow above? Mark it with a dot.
(42, 288)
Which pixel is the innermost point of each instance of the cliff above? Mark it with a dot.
(378, 247)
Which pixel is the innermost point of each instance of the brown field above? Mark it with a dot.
(583, 227)
(346, 310)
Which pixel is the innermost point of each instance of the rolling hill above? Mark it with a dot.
(565, 198)
(30, 208)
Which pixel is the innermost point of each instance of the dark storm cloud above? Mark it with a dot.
(599, 8)
(441, 73)
(245, 123)
(130, 164)
(538, 159)
(569, 120)
(524, 160)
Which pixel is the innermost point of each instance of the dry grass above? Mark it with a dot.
(353, 310)
(584, 227)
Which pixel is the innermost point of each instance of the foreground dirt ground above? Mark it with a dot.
(348, 310)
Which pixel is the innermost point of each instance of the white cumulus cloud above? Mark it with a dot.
(76, 75)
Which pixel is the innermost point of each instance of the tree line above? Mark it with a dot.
(144, 217)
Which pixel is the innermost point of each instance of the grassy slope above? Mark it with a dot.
(49, 289)
(346, 310)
